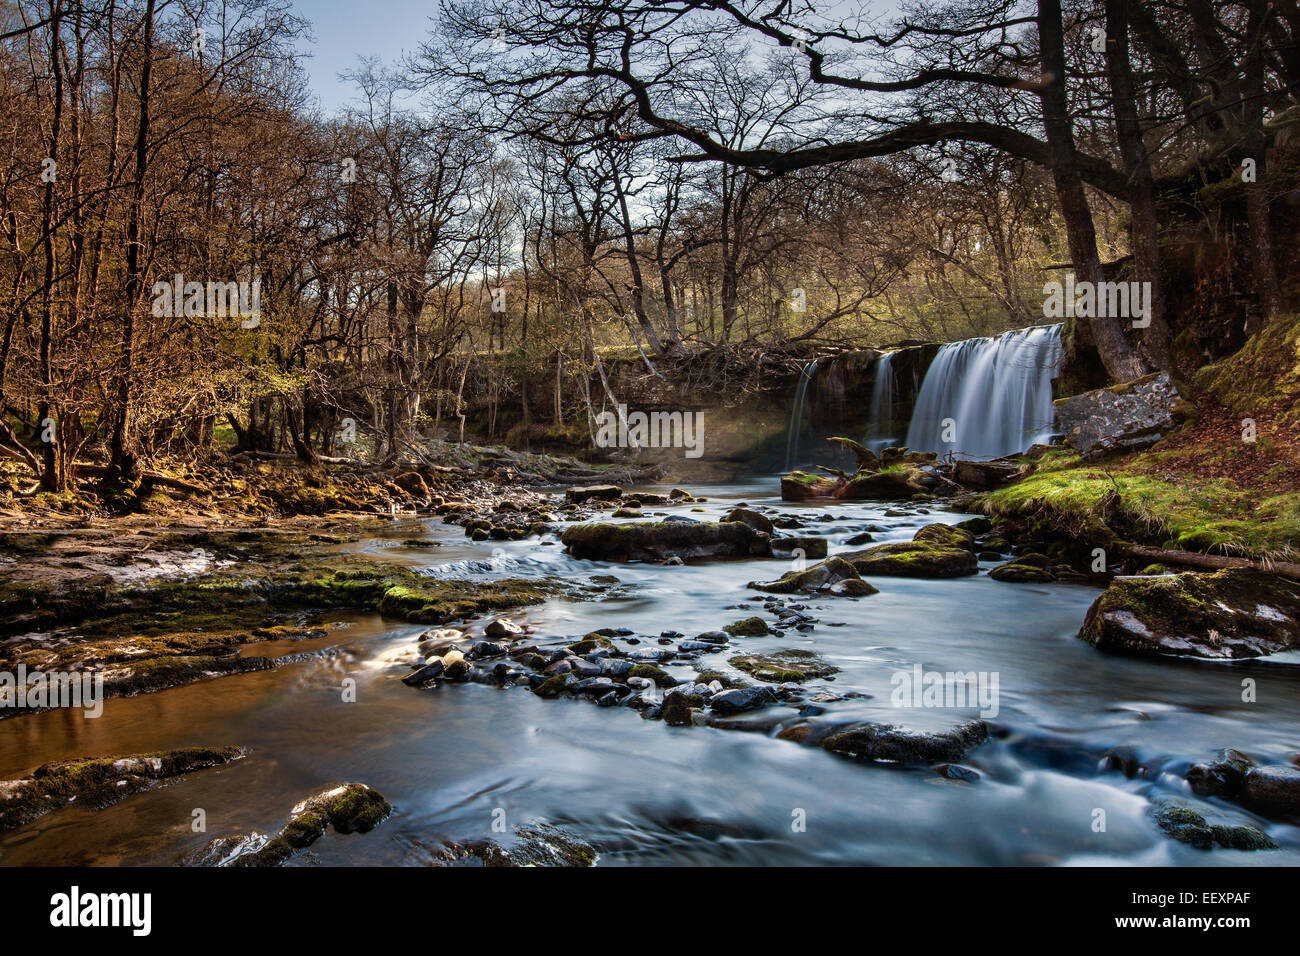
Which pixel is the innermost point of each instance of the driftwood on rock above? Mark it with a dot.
(868, 460)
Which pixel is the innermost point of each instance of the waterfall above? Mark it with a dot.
(881, 433)
(986, 398)
(796, 416)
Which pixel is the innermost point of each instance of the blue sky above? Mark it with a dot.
(346, 30)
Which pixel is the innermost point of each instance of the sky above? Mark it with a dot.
(347, 30)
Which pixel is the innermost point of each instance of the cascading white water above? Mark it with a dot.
(880, 435)
(986, 398)
(796, 416)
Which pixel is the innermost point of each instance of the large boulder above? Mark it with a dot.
(936, 551)
(1227, 615)
(946, 535)
(897, 483)
(659, 541)
(755, 519)
(1133, 415)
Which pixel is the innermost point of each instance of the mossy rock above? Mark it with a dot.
(652, 672)
(1017, 573)
(823, 575)
(1232, 614)
(554, 687)
(98, 782)
(801, 486)
(946, 535)
(792, 666)
(1206, 829)
(749, 627)
(537, 845)
(441, 602)
(349, 808)
(913, 559)
(755, 519)
(591, 642)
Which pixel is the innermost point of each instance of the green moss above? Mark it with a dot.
(552, 687)
(749, 627)
(591, 642)
(1135, 500)
(351, 808)
(790, 666)
(98, 782)
(1264, 372)
(651, 672)
(918, 558)
(1189, 825)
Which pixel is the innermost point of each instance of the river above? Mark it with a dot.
(454, 759)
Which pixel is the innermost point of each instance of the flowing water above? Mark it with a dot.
(880, 434)
(450, 757)
(796, 415)
(985, 398)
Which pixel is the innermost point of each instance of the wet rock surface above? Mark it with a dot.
(348, 808)
(1228, 615)
(893, 744)
(94, 783)
(1206, 828)
(534, 845)
(663, 540)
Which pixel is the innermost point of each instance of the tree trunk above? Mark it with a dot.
(1262, 267)
(1121, 361)
(1156, 338)
(124, 464)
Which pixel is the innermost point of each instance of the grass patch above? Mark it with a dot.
(1139, 499)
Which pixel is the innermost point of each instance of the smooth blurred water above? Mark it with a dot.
(450, 757)
(986, 398)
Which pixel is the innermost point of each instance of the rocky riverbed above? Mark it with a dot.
(514, 686)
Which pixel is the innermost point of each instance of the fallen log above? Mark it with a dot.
(1210, 562)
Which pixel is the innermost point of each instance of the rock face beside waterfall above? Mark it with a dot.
(1123, 417)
